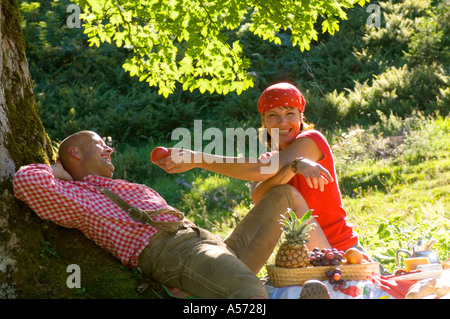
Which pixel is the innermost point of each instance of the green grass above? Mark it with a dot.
(406, 190)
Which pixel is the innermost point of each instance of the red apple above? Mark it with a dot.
(158, 153)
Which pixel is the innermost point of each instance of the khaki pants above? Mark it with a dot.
(198, 262)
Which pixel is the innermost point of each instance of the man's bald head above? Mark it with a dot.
(75, 140)
(85, 153)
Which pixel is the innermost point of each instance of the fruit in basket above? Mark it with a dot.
(293, 252)
(326, 257)
(353, 256)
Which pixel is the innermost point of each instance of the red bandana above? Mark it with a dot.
(281, 94)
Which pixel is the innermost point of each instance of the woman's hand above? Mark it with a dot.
(179, 161)
(315, 174)
(60, 173)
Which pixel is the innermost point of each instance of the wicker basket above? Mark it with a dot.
(282, 277)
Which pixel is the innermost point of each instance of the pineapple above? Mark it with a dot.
(293, 252)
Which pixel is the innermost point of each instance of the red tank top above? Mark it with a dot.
(327, 205)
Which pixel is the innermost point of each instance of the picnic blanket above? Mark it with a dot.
(375, 287)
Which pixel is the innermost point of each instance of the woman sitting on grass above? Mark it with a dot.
(305, 162)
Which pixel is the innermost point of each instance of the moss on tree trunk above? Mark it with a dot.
(35, 254)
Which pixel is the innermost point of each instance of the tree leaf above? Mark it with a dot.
(184, 40)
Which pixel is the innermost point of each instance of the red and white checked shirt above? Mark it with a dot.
(80, 205)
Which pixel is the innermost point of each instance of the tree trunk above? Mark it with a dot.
(22, 140)
(38, 258)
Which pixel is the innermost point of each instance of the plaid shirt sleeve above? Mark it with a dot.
(47, 196)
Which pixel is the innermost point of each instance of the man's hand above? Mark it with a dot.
(60, 173)
(315, 174)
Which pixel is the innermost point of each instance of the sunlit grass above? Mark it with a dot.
(407, 191)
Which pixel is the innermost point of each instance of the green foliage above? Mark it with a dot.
(394, 233)
(188, 41)
(399, 91)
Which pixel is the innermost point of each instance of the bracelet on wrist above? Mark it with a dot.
(294, 164)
